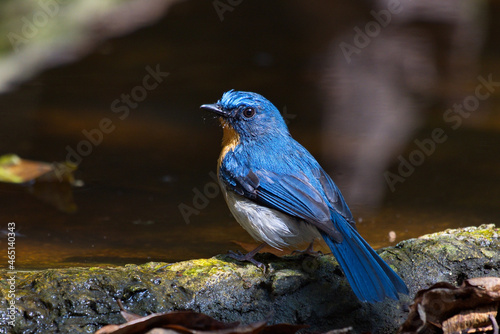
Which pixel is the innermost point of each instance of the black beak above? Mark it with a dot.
(215, 108)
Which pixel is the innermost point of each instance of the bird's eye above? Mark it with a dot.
(249, 112)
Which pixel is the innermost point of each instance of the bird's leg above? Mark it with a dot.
(309, 250)
(248, 257)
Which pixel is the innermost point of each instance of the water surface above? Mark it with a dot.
(164, 151)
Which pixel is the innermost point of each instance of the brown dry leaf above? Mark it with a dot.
(347, 330)
(188, 322)
(13, 169)
(129, 316)
(492, 284)
(444, 308)
(173, 320)
(51, 183)
(282, 329)
(478, 319)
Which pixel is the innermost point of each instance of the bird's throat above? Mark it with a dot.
(230, 139)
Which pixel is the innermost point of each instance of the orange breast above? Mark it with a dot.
(230, 139)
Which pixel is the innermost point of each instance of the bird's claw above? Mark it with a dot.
(236, 255)
(309, 251)
(245, 258)
(248, 257)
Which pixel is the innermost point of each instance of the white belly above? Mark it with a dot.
(268, 225)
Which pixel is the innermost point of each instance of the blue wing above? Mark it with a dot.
(293, 194)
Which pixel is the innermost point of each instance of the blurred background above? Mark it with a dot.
(398, 100)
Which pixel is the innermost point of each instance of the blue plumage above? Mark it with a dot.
(280, 194)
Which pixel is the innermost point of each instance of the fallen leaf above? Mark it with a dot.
(13, 169)
(51, 183)
(188, 322)
(346, 330)
(479, 319)
(444, 308)
(282, 329)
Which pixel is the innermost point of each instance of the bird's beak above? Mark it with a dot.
(215, 108)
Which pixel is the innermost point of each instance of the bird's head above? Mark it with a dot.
(249, 114)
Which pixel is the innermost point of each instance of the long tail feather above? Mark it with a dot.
(370, 277)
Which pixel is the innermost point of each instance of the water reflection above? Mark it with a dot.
(139, 174)
(383, 74)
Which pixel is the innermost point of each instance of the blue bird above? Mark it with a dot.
(279, 194)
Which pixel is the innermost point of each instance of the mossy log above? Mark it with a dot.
(295, 289)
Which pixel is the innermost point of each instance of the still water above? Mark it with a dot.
(148, 190)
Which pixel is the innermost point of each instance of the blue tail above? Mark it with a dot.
(370, 277)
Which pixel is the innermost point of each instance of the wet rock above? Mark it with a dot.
(295, 289)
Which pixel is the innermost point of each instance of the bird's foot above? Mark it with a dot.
(248, 257)
(309, 250)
